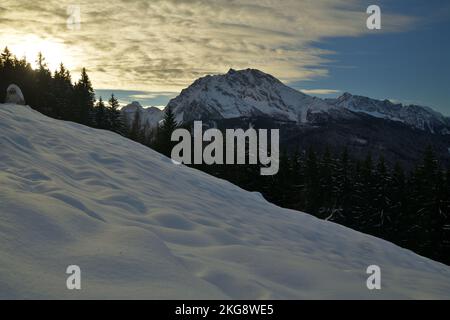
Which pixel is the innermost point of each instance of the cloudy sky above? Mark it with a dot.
(150, 50)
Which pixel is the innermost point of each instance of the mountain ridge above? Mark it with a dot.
(239, 99)
(252, 93)
(248, 93)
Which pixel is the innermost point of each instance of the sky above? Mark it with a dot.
(150, 50)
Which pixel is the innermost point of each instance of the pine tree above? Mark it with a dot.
(165, 133)
(424, 216)
(115, 116)
(381, 219)
(297, 195)
(343, 189)
(312, 183)
(44, 85)
(101, 115)
(63, 92)
(6, 58)
(362, 210)
(84, 99)
(398, 205)
(326, 185)
(282, 185)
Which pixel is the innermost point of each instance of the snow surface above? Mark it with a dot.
(141, 227)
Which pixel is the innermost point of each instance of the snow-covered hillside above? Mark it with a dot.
(140, 226)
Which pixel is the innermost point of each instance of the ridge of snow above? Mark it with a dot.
(142, 227)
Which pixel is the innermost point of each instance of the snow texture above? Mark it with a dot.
(141, 227)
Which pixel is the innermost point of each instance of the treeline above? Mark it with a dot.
(55, 95)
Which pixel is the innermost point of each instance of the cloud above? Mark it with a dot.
(320, 91)
(151, 95)
(163, 45)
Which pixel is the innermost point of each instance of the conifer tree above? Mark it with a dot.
(44, 81)
(101, 115)
(84, 98)
(169, 124)
(63, 92)
(326, 182)
(115, 116)
(312, 183)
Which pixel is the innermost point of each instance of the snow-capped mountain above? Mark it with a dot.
(248, 93)
(422, 118)
(244, 98)
(139, 226)
(149, 116)
(252, 93)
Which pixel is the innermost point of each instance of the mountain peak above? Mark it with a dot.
(255, 73)
(346, 95)
(243, 93)
(136, 103)
(149, 116)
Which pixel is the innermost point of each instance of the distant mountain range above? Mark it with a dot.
(419, 117)
(149, 116)
(240, 98)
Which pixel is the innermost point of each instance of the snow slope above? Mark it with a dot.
(141, 227)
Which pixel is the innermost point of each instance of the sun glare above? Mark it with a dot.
(53, 51)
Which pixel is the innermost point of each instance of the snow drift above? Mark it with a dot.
(142, 227)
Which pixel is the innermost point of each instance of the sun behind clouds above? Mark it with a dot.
(54, 51)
